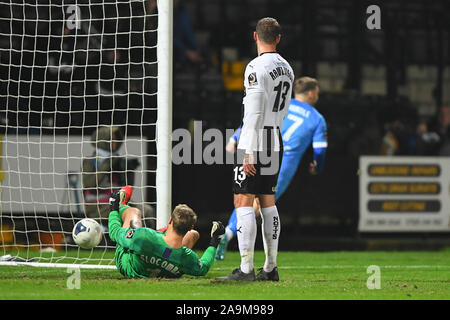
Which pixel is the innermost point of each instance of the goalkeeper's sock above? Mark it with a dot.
(270, 233)
(246, 235)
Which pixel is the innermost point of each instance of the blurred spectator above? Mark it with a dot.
(426, 142)
(105, 172)
(185, 47)
(184, 43)
(444, 130)
(399, 137)
(444, 120)
(390, 143)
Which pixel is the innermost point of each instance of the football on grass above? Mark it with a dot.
(87, 233)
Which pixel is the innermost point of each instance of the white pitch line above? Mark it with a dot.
(55, 265)
(355, 267)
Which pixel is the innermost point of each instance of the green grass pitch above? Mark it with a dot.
(403, 275)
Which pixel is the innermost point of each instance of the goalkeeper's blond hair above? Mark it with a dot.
(184, 219)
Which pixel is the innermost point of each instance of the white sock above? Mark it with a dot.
(270, 233)
(246, 235)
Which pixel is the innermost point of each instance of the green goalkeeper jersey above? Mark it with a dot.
(142, 253)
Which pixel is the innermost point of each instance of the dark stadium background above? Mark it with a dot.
(317, 212)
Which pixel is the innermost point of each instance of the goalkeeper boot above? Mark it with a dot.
(238, 275)
(125, 194)
(221, 248)
(268, 276)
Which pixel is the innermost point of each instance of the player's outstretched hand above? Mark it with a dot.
(217, 232)
(114, 200)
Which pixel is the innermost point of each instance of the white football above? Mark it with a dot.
(87, 233)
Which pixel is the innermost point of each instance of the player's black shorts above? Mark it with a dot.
(265, 179)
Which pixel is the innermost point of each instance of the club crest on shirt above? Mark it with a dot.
(129, 234)
(252, 79)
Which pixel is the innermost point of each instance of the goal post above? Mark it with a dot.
(164, 122)
(69, 70)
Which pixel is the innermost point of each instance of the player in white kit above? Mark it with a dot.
(268, 83)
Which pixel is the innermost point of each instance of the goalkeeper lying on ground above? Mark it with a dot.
(143, 252)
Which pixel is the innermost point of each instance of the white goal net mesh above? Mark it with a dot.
(77, 121)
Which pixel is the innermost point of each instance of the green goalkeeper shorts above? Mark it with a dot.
(123, 263)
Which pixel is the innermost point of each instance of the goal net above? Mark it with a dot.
(78, 120)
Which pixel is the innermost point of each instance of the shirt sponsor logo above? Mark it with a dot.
(161, 263)
(129, 234)
(252, 80)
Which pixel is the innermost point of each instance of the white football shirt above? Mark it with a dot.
(268, 82)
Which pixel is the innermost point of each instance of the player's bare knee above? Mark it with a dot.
(266, 200)
(134, 212)
(236, 202)
(132, 218)
(191, 238)
(243, 200)
(195, 235)
(136, 223)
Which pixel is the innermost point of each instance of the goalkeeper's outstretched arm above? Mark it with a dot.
(200, 267)
(114, 224)
(196, 266)
(114, 219)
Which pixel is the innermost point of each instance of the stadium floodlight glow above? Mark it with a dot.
(67, 70)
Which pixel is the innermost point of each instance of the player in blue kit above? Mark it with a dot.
(302, 126)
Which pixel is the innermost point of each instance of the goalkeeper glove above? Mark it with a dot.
(115, 199)
(217, 232)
